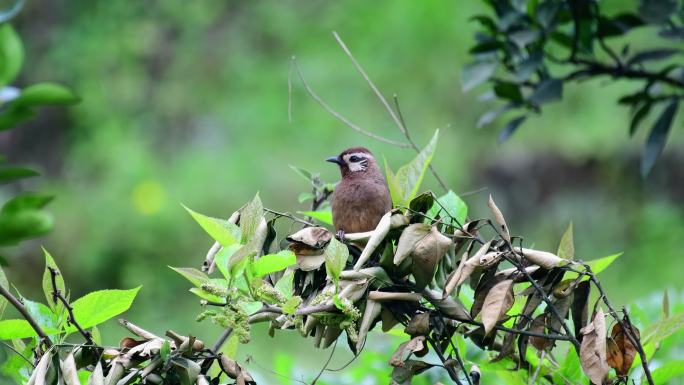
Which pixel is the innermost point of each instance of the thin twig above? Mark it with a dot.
(10, 347)
(57, 295)
(337, 115)
(28, 317)
(396, 117)
(325, 366)
(288, 215)
(452, 373)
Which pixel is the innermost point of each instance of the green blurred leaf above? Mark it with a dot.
(549, 90)
(42, 94)
(222, 231)
(22, 225)
(165, 351)
(323, 216)
(303, 173)
(667, 372)
(271, 263)
(410, 176)
(26, 201)
(305, 196)
(476, 73)
(96, 336)
(639, 115)
(657, 138)
(290, 306)
(336, 255)
(510, 128)
(13, 115)
(453, 205)
(657, 11)
(652, 54)
(600, 264)
(393, 184)
(659, 330)
(11, 54)
(195, 276)
(285, 285)
(11, 174)
(99, 306)
(250, 217)
(47, 282)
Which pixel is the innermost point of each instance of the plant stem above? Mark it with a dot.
(22, 309)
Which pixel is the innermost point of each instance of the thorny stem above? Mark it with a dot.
(627, 329)
(22, 309)
(396, 117)
(57, 295)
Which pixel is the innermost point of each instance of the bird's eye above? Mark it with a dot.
(354, 158)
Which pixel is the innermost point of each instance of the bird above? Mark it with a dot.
(361, 197)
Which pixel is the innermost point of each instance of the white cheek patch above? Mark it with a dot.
(357, 166)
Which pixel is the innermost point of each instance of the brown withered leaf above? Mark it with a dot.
(539, 326)
(69, 371)
(419, 325)
(409, 239)
(499, 219)
(416, 344)
(481, 291)
(593, 349)
(498, 301)
(370, 313)
(579, 308)
(451, 307)
(465, 269)
(316, 237)
(308, 245)
(402, 375)
(562, 306)
(621, 350)
(426, 255)
(543, 258)
(388, 319)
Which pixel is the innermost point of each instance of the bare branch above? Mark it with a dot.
(57, 295)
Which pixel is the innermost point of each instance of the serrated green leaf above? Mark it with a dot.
(19, 328)
(271, 263)
(566, 248)
(47, 282)
(43, 94)
(323, 216)
(452, 204)
(99, 306)
(336, 255)
(410, 176)
(220, 230)
(195, 276)
(11, 54)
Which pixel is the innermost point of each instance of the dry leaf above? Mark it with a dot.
(308, 245)
(96, 377)
(499, 219)
(593, 349)
(374, 241)
(416, 344)
(621, 351)
(388, 319)
(498, 301)
(419, 325)
(371, 312)
(543, 258)
(69, 371)
(465, 270)
(451, 307)
(539, 326)
(409, 239)
(402, 375)
(40, 371)
(314, 237)
(579, 308)
(426, 255)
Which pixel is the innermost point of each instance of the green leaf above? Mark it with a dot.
(657, 138)
(303, 173)
(42, 314)
(14, 115)
(290, 306)
(305, 196)
(186, 369)
(250, 217)
(566, 249)
(598, 265)
(99, 306)
(659, 330)
(476, 73)
(509, 91)
(195, 276)
(271, 263)
(207, 296)
(639, 115)
(222, 258)
(47, 282)
(165, 351)
(95, 334)
(25, 201)
(510, 128)
(285, 285)
(11, 174)
(323, 216)
(11, 54)
(668, 371)
(657, 11)
(393, 184)
(19, 328)
(42, 94)
(410, 176)
(222, 231)
(336, 255)
(452, 204)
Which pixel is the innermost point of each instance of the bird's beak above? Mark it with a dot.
(334, 159)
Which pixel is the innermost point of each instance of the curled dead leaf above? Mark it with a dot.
(374, 241)
(498, 216)
(543, 258)
(416, 344)
(620, 349)
(465, 269)
(419, 325)
(538, 325)
(426, 255)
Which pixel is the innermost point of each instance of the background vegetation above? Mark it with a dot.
(189, 103)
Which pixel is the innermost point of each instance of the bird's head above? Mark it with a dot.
(355, 161)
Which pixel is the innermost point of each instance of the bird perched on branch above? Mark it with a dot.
(362, 197)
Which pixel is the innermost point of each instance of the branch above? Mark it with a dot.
(396, 117)
(337, 115)
(594, 68)
(57, 295)
(22, 309)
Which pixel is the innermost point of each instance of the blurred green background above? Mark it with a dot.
(188, 102)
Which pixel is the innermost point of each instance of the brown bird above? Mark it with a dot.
(362, 197)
